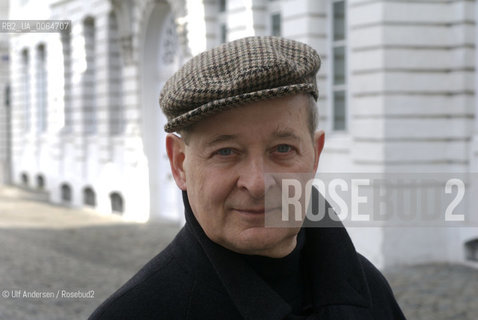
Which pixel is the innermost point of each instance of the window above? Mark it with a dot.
(66, 193)
(117, 205)
(40, 182)
(274, 27)
(89, 197)
(116, 116)
(41, 89)
(471, 250)
(7, 95)
(25, 76)
(169, 52)
(24, 178)
(222, 21)
(222, 5)
(223, 33)
(339, 62)
(89, 103)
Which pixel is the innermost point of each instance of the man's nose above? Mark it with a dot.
(252, 177)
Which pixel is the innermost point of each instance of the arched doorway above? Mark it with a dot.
(161, 57)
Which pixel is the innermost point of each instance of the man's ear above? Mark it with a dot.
(319, 140)
(175, 148)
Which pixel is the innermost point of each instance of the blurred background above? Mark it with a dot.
(82, 142)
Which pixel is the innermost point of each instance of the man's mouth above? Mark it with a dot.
(251, 210)
(255, 211)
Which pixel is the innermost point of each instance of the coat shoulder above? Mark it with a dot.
(384, 304)
(158, 291)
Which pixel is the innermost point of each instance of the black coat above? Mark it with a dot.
(194, 278)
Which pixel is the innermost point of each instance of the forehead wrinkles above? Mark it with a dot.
(290, 115)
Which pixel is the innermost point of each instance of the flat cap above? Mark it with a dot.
(235, 73)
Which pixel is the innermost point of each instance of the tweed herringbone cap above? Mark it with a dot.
(235, 73)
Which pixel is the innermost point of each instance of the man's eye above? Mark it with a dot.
(284, 148)
(224, 152)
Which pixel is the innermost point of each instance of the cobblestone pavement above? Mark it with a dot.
(436, 291)
(51, 250)
(68, 261)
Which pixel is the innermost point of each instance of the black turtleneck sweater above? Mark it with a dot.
(284, 275)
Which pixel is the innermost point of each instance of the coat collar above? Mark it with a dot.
(335, 273)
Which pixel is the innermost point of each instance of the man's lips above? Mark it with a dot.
(250, 211)
(254, 210)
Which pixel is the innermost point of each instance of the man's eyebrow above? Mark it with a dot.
(221, 138)
(285, 133)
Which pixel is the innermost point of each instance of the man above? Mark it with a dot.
(243, 110)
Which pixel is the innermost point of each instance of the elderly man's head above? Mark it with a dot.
(243, 109)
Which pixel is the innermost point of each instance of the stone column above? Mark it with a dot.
(474, 141)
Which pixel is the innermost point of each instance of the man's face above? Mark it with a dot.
(223, 164)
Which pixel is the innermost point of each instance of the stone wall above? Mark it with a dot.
(4, 108)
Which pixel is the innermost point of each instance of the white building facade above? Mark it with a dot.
(4, 100)
(397, 94)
